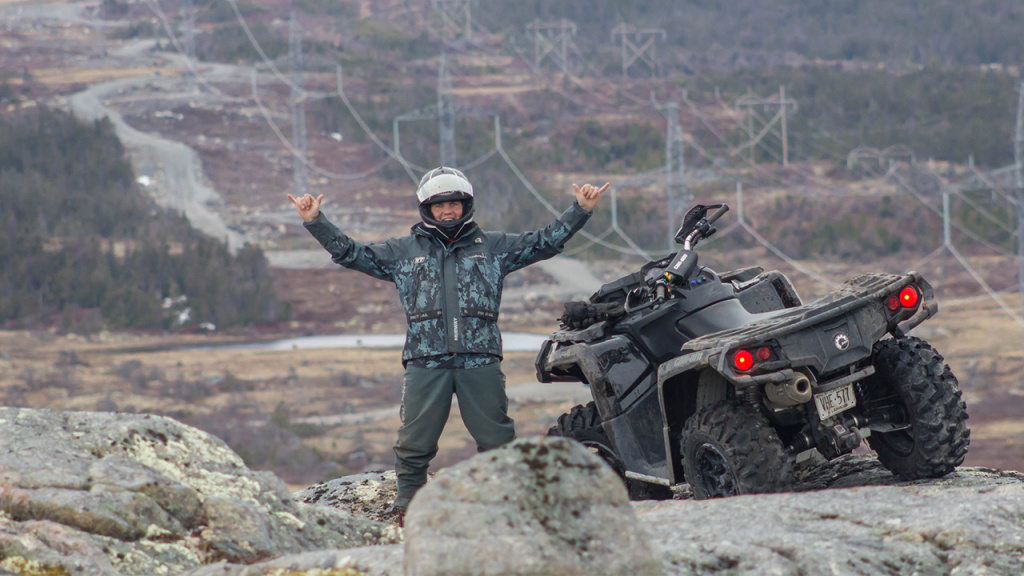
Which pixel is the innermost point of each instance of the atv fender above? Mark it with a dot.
(679, 372)
(583, 358)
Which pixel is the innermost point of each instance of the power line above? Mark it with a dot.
(259, 49)
(297, 105)
(366, 129)
(295, 152)
(154, 6)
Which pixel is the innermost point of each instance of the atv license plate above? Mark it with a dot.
(835, 401)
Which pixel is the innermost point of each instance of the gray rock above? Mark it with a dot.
(536, 506)
(369, 495)
(970, 522)
(101, 493)
(364, 561)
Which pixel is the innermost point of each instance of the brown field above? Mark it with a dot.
(63, 76)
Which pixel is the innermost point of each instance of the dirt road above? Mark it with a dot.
(174, 169)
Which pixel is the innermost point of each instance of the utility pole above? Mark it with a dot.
(675, 172)
(189, 16)
(750, 102)
(98, 31)
(445, 114)
(553, 39)
(642, 48)
(451, 11)
(297, 104)
(1018, 156)
(1018, 141)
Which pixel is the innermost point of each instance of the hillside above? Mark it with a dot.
(895, 105)
(83, 244)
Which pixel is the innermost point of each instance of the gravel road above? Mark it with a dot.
(175, 169)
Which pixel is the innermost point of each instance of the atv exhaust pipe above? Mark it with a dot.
(795, 391)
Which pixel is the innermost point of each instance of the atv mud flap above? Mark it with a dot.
(639, 439)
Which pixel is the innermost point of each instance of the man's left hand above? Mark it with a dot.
(588, 195)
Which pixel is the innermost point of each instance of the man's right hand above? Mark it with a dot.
(308, 207)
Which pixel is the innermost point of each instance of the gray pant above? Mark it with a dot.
(426, 404)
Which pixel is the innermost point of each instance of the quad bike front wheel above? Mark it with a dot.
(583, 424)
(927, 392)
(730, 449)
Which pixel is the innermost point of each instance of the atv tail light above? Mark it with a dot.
(743, 360)
(764, 353)
(909, 297)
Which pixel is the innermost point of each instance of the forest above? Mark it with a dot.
(82, 247)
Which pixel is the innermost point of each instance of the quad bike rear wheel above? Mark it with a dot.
(937, 438)
(583, 424)
(728, 449)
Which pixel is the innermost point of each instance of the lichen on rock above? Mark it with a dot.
(104, 493)
(535, 506)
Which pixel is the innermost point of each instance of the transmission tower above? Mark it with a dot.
(1018, 141)
(641, 48)
(676, 194)
(297, 104)
(456, 17)
(98, 31)
(445, 114)
(554, 39)
(751, 103)
(1018, 156)
(188, 10)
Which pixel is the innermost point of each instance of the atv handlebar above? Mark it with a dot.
(702, 229)
(659, 281)
(722, 209)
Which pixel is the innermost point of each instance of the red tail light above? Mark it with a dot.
(743, 360)
(909, 297)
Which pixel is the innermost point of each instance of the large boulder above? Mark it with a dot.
(970, 522)
(535, 506)
(103, 493)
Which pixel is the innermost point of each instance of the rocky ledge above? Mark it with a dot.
(102, 493)
(95, 493)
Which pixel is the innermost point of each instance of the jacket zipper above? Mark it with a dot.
(451, 298)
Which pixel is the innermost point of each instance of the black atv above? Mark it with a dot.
(728, 381)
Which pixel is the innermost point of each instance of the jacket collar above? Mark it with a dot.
(471, 230)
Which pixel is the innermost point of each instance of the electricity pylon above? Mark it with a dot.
(642, 47)
(552, 39)
(452, 11)
(445, 114)
(676, 194)
(189, 23)
(297, 105)
(750, 103)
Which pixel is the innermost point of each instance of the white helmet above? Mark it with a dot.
(445, 184)
(442, 180)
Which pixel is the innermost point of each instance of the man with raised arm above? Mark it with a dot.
(449, 275)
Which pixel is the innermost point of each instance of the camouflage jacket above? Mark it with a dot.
(451, 294)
